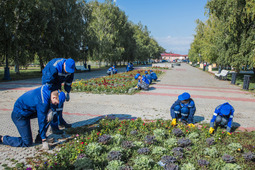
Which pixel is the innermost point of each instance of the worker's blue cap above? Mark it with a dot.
(62, 98)
(146, 72)
(184, 96)
(225, 109)
(70, 65)
(151, 71)
(137, 75)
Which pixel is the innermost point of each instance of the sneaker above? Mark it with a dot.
(65, 125)
(38, 139)
(57, 131)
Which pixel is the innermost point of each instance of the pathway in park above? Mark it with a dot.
(82, 109)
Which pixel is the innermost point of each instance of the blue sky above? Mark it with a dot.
(171, 22)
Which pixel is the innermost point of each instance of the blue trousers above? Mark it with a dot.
(24, 128)
(181, 113)
(58, 119)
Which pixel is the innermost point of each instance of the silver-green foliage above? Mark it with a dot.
(193, 135)
(117, 139)
(159, 133)
(212, 152)
(230, 166)
(158, 150)
(188, 166)
(138, 144)
(143, 162)
(93, 149)
(171, 142)
(234, 146)
(114, 165)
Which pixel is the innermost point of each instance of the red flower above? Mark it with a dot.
(222, 132)
(82, 143)
(132, 119)
(162, 123)
(119, 129)
(97, 133)
(88, 138)
(205, 126)
(85, 143)
(143, 124)
(187, 131)
(120, 125)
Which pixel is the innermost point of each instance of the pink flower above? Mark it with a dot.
(77, 135)
(222, 132)
(205, 126)
(119, 129)
(82, 143)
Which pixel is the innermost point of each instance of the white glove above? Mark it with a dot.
(67, 97)
(45, 145)
(50, 115)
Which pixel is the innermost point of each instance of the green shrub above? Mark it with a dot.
(171, 142)
(211, 152)
(93, 149)
(143, 162)
(234, 146)
(188, 166)
(83, 163)
(159, 133)
(230, 166)
(158, 150)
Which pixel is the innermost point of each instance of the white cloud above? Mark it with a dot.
(179, 45)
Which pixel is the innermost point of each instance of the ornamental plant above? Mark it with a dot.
(249, 156)
(114, 165)
(114, 155)
(159, 134)
(188, 166)
(184, 142)
(210, 141)
(171, 142)
(144, 151)
(126, 168)
(178, 132)
(143, 162)
(212, 152)
(150, 139)
(158, 150)
(138, 144)
(117, 139)
(228, 158)
(202, 162)
(231, 167)
(104, 139)
(171, 166)
(93, 149)
(235, 146)
(83, 163)
(168, 159)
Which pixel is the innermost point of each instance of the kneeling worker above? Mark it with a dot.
(223, 116)
(32, 104)
(143, 82)
(183, 110)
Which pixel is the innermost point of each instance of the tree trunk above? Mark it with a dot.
(41, 63)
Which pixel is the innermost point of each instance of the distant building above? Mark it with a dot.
(171, 57)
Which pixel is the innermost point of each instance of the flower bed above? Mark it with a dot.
(115, 84)
(134, 144)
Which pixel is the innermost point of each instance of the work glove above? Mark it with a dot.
(50, 115)
(45, 145)
(229, 133)
(67, 97)
(211, 130)
(173, 123)
(191, 125)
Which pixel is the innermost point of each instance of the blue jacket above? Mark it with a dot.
(144, 79)
(35, 103)
(54, 75)
(229, 117)
(154, 76)
(191, 106)
(148, 76)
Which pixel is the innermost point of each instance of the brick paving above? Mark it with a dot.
(83, 108)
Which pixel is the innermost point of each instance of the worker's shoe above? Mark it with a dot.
(1, 139)
(38, 139)
(57, 131)
(66, 125)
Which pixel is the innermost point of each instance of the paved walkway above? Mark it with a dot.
(82, 109)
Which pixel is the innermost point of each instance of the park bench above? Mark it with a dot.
(222, 75)
(81, 68)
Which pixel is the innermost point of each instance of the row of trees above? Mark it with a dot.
(228, 36)
(42, 30)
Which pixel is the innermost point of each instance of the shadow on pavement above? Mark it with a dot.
(198, 119)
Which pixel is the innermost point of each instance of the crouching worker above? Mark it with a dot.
(153, 75)
(148, 76)
(183, 110)
(143, 82)
(223, 116)
(32, 104)
(112, 70)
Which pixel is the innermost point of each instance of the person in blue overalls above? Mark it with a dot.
(143, 82)
(112, 70)
(32, 104)
(153, 75)
(129, 67)
(56, 72)
(223, 116)
(148, 76)
(183, 110)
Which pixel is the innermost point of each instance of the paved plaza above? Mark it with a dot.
(206, 91)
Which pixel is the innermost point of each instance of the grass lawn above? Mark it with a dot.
(240, 79)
